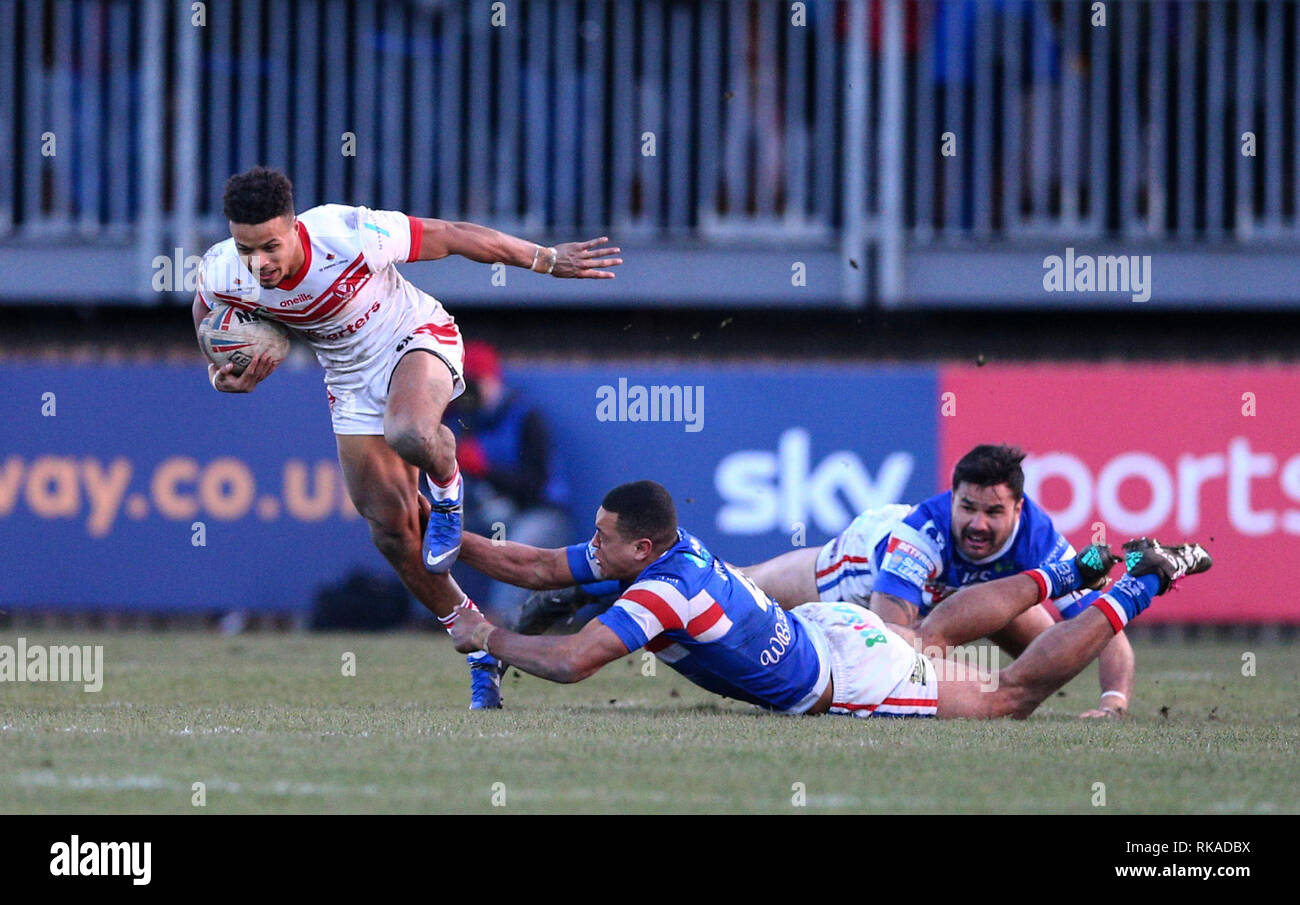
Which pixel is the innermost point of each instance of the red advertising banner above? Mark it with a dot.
(1176, 452)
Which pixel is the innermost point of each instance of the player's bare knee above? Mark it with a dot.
(410, 440)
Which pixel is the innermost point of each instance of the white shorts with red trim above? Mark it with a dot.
(846, 566)
(357, 396)
(876, 672)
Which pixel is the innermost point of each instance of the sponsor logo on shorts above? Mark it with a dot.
(959, 663)
(444, 334)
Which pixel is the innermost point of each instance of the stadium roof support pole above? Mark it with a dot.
(148, 218)
(889, 174)
(853, 197)
(1244, 218)
(184, 161)
(8, 108)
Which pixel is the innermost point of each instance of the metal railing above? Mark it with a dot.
(868, 128)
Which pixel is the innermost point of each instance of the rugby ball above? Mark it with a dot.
(229, 334)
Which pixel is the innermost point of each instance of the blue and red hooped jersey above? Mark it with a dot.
(715, 627)
(920, 563)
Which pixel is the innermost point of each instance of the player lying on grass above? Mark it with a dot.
(392, 355)
(712, 624)
(900, 561)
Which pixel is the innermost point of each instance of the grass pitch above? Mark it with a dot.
(269, 723)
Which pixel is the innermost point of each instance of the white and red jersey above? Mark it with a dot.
(348, 301)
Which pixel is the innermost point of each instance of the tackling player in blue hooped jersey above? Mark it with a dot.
(900, 561)
(711, 623)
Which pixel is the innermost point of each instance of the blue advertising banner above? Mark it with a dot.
(757, 457)
(138, 487)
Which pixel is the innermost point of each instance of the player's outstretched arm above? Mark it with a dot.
(579, 260)
(517, 564)
(564, 658)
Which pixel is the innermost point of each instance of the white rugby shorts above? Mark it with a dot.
(357, 396)
(846, 566)
(876, 672)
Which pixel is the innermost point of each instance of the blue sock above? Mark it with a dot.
(1129, 597)
(1059, 578)
(1075, 607)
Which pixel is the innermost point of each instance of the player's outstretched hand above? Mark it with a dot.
(584, 261)
(258, 370)
(462, 630)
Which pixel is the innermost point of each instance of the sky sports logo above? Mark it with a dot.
(1238, 482)
(777, 490)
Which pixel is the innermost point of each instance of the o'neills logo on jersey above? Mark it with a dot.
(300, 297)
(102, 859)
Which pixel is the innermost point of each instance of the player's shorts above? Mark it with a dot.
(876, 672)
(846, 566)
(357, 397)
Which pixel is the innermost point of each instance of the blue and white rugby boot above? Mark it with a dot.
(442, 536)
(484, 681)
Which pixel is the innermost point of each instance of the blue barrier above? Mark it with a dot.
(138, 488)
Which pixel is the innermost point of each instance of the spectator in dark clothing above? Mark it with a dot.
(512, 491)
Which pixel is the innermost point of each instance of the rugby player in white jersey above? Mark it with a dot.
(392, 355)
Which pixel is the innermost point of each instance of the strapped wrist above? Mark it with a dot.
(481, 635)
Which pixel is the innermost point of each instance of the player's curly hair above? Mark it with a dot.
(257, 195)
(987, 466)
(644, 509)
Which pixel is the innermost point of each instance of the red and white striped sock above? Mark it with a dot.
(448, 621)
(443, 491)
